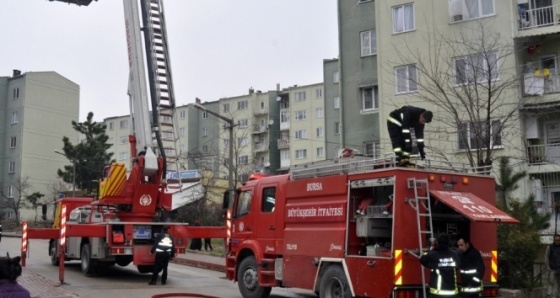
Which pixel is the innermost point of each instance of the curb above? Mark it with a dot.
(199, 264)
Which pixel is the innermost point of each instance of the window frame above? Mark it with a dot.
(463, 11)
(300, 96)
(300, 134)
(468, 63)
(320, 132)
(301, 153)
(11, 167)
(13, 142)
(15, 118)
(225, 107)
(374, 98)
(469, 138)
(320, 152)
(242, 105)
(336, 102)
(369, 37)
(395, 11)
(407, 79)
(300, 115)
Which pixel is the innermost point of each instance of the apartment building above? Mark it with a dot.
(36, 112)
(331, 79)
(403, 46)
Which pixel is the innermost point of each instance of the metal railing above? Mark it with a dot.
(543, 154)
(541, 85)
(539, 17)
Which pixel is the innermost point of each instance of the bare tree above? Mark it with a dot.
(15, 199)
(470, 77)
(33, 201)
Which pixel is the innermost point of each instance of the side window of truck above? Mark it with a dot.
(268, 199)
(244, 203)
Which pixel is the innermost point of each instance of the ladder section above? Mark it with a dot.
(161, 83)
(421, 203)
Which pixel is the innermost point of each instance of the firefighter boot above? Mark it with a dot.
(152, 282)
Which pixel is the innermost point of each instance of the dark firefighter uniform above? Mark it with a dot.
(399, 123)
(443, 264)
(164, 248)
(472, 271)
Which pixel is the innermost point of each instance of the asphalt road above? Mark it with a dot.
(127, 281)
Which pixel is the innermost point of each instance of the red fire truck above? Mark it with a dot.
(355, 227)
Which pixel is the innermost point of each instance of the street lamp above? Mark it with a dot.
(73, 171)
(229, 121)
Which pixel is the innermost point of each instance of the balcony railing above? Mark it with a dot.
(541, 84)
(259, 128)
(283, 144)
(260, 146)
(543, 154)
(539, 17)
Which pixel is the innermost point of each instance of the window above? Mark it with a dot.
(16, 93)
(124, 124)
(110, 141)
(268, 199)
(11, 192)
(337, 128)
(319, 112)
(368, 43)
(243, 160)
(285, 155)
(301, 134)
(403, 18)
(476, 68)
(166, 119)
(370, 99)
(226, 143)
(242, 105)
(225, 107)
(14, 117)
(243, 123)
(11, 215)
(123, 155)
(205, 149)
(182, 131)
(13, 142)
(300, 115)
(301, 153)
(123, 139)
(12, 167)
(406, 78)
(204, 115)
(167, 135)
(336, 77)
(111, 125)
(473, 135)
(336, 102)
(320, 132)
(242, 141)
(284, 116)
(299, 96)
(320, 151)
(244, 203)
(461, 10)
(205, 132)
(182, 114)
(318, 93)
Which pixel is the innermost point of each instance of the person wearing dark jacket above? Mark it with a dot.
(164, 248)
(399, 124)
(443, 264)
(552, 261)
(471, 269)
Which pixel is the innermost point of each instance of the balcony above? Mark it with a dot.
(258, 129)
(283, 143)
(539, 17)
(260, 147)
(543, 154)
(541, 84)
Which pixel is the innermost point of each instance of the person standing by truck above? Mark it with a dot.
(552, 261)
(399, 123)
(443, 264)
(471, 269)
(164, 248)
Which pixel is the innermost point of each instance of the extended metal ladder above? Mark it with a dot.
(159, 74)
(421, 203)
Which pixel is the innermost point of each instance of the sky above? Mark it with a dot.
(218, 48)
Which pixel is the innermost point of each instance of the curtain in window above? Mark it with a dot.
(367, 95)
(398, 19)
(487, 7)
(408, 17)
(365, 43)
(412, 78)
(472, 8)
(401, 79)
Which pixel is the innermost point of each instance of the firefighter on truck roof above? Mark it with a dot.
(399, 123)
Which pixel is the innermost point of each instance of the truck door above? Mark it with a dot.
(243, 216)
(266, 229)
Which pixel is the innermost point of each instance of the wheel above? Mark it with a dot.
(145, 268)
(53, 252)
(334, 283)
(88, 265)
(248, 280)
(123, 261)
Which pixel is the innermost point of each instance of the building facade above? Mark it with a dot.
(36, 112)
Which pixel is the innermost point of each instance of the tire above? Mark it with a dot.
(334, 283)
(123, 261)
(88, 264)
(248, 280)
(145, 268)
(53, 252)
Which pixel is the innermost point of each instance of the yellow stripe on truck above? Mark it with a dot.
(398, 267)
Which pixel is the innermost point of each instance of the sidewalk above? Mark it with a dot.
(42, 287)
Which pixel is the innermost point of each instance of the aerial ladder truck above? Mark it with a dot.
(119, 225)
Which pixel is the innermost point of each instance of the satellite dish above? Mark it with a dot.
(271, 121)
(278, 98)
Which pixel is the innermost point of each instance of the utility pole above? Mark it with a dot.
(230, 126)
(73, 171)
